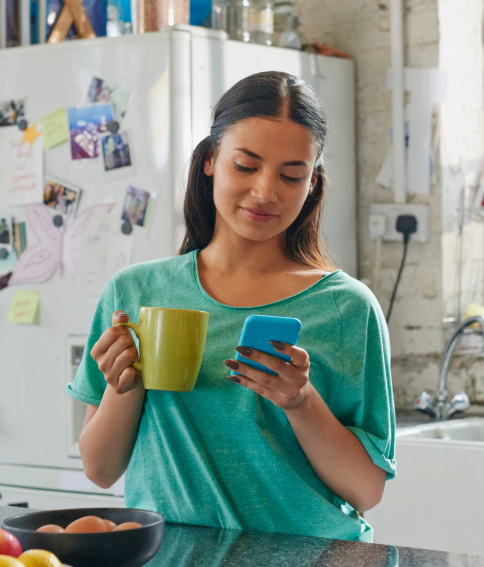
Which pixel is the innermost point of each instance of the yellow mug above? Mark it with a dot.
(171, 345)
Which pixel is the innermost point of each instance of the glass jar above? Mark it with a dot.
(155, 14)
(244, 20)
(261, 22)
(232, 16)
(289, 38)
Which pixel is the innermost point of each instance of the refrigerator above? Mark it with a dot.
(174, 78)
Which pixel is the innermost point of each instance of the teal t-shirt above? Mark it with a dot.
(224, 456)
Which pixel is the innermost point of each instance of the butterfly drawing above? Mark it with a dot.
(57, 247)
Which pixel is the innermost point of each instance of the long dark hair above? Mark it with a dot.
(261, 95)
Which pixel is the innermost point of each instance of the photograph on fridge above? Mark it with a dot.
(103, 91)
(86, 124)
(7, 266)
(116, 151)
(136, 205)
(61, 197)
(11, 112)
(4, 232)
(19, 237)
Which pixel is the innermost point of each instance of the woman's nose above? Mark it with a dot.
(265, 188)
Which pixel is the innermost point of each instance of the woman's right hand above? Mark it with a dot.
(114, 352)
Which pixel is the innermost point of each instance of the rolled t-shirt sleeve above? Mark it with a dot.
(89, 383)
(364, 400)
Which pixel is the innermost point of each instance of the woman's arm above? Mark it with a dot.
(110, 431)
(109, 435)
(335, 453)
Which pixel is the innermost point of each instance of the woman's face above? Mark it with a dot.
(262, 173)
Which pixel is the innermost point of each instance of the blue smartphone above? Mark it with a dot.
(258, 330)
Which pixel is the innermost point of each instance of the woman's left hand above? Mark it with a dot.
(289, 388)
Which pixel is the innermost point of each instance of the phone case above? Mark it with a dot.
(258, 330)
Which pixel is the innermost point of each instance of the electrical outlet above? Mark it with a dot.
(392, 211)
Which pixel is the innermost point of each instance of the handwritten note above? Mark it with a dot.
(24, 308)
(54, 128)
(105, 250)
(21, 169)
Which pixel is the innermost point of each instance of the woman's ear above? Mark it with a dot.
(314, 179)
(208, 165)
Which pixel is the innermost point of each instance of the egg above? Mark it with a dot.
(86, 525)
(127, 526)
(50, 529)
(109, 525)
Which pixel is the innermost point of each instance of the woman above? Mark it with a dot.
(300, 452)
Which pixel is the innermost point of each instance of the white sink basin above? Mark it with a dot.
(437, 499)
(471, 429)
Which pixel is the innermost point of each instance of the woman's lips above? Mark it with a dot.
(259, 214)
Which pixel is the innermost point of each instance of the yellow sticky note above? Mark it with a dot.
(24, 308)
(54, 128)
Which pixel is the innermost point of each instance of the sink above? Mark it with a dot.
(469, 430)
(437, 499)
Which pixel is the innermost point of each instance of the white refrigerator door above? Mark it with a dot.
(155, 67)
(218, 64)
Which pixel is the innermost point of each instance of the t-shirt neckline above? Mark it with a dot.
(210, 299)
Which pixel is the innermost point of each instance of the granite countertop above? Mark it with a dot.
(196, 546)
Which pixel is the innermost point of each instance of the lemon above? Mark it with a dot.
(38, 558)
(8, 561)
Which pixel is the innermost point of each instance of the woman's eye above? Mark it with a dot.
(242, 168)
(292, 179)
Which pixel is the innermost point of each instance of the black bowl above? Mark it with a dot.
(128, 548)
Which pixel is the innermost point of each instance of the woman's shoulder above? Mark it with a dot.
(161, 269)
(349, 293)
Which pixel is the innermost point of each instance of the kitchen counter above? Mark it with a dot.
(409, 418)
(196, 546)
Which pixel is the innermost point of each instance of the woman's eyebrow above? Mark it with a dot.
(252, 154)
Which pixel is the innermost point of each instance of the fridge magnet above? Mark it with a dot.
(60, 197)
(55, 130)
(136, 206)
(19, 237)
(24, 308)
(116, 151)
(56, 247)
(30, 134)
(21, 166)
(102, 91)
(86, 124)
(11, 112)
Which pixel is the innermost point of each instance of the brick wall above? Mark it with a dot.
(444, 34)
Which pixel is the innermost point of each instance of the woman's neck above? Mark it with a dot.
(233, 254)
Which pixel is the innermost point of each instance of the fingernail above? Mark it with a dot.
(244, 351)
(234, 379)
(231, 364)
(277, 345)
(121, 314)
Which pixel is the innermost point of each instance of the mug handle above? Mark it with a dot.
(136, 365)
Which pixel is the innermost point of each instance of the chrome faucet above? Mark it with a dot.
(440, 408)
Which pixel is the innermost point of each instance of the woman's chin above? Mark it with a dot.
(257, 234)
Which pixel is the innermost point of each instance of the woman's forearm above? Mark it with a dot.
(336, 455)
(108, 438)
